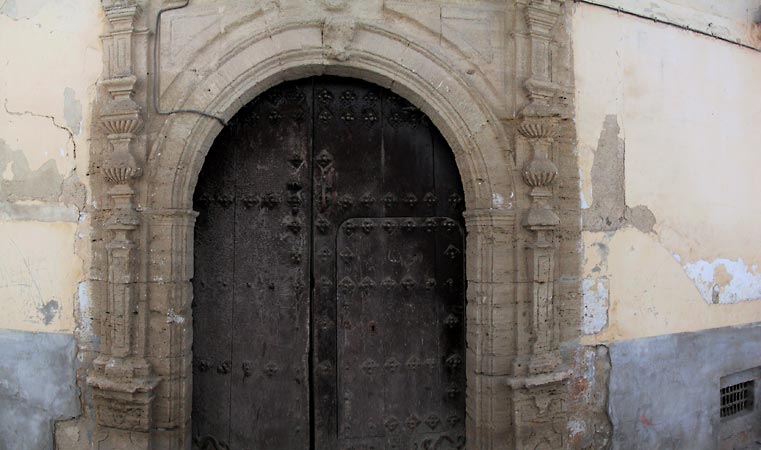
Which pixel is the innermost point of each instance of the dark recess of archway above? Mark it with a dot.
(329, 287)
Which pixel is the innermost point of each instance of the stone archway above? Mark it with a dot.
(141, 379)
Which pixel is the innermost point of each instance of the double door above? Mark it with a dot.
(328, 290)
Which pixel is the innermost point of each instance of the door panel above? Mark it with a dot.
(314, 183)
(400, 336)
(260, 384)
(270, 307)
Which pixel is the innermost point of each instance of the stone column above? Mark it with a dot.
(121, 378)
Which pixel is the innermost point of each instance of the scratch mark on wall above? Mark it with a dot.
(29, 271)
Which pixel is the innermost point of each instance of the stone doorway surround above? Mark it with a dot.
(509, 131)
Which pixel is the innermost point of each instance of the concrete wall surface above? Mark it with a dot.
(37, 387)
(665, 390)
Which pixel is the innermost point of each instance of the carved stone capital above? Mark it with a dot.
(121, 14)
(542, 96)
(492, 219)
(121, 115)
(541, 17)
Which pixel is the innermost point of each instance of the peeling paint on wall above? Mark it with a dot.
(72, 110)
(596, 297)
(725, 281)
(609, 211)
(84, 327)
(41, 194)
(589, 427)
(44, 183)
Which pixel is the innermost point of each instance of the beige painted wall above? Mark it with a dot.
(50, 55)
(683, 109)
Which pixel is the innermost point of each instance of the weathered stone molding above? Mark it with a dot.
(149, 163)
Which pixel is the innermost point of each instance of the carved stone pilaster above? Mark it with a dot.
(121, 378)
(538, 126)
(538, 379)
(539, 173)
(490, 247)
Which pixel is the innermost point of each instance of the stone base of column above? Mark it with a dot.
(540, 410)
(123, 403)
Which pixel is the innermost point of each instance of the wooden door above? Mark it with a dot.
(329, 288)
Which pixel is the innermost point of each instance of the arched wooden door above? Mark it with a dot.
(329, 287)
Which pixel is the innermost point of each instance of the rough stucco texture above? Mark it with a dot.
(664, 391)
(37, 387)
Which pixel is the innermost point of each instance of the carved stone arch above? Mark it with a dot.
(427, 80)
(143, 263)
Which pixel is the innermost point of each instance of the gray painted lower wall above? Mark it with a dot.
(37, 387)
(665, 391)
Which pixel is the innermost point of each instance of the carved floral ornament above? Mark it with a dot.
(141, 400)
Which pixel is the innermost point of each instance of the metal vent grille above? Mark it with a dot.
(736, 398)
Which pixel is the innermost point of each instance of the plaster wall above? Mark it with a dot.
(667, 148)
(50, 54)
(51, 59)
